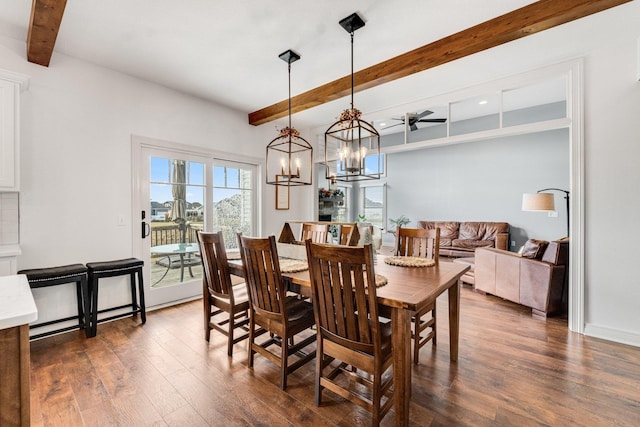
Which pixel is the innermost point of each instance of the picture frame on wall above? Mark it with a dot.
(282, 196)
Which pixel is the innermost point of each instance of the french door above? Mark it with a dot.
(177, 192)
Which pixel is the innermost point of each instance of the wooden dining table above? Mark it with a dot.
(408, 290)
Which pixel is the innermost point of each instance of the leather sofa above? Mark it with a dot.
(541, 284)
(460, 239)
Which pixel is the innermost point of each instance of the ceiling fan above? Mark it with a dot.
(415, 118)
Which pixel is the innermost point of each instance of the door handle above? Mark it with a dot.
(146, 229)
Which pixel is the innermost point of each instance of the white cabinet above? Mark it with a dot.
(11, 84)
(8, 257)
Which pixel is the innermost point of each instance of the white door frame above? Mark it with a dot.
(192, 289)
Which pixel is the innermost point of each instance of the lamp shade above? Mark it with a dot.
(538, 202)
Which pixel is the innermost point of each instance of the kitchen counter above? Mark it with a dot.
(17, 309)
(16, 302)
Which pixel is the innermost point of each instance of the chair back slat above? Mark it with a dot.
(418, 242)
(349, 234)
(214, 262)
(262, 274)
(344, 294)
(318, 233)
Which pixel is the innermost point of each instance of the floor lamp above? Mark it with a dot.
(544, 202)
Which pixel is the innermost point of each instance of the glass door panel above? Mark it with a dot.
(177, 190)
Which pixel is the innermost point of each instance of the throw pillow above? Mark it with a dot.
(534, 249)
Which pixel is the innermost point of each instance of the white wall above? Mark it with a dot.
(612, 199)
(76, 123)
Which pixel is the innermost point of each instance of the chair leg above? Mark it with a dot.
(232, 319)
(207, 316)
(433, 328)
(375, 410)
(251, 338)
(416, 339)
(284, 363)
(319, 368)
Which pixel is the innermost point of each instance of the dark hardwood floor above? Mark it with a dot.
(513, 370)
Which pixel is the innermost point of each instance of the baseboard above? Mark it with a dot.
(616, 335)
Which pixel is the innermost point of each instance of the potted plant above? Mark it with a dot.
(401, 221)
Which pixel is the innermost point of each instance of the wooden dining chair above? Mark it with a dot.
(318, 233)
(346, 315)
(270, 307)
(226, 305)
(349, 235)
(425, 243)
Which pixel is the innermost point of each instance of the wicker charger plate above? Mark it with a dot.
(292, 265)
(409, 261)
(381, 280)
(233, 255)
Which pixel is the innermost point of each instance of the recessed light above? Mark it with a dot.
(383, 124)
(483, 102)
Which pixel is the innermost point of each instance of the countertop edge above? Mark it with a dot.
(17, 306)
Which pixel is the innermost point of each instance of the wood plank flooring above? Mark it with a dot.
(513, 370)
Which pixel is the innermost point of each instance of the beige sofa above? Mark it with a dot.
(460, 239)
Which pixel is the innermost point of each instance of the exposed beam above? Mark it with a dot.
(536, 17)
(44, 24)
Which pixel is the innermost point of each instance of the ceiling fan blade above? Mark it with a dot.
(424, 113)
(432, 120)
(397, 124)
(413, 127)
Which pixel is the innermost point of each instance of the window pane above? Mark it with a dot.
(233, 203)
(373, 204)
(535, 103)
(475, 114)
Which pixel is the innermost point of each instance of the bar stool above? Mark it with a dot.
(99, 270)
(53, 276)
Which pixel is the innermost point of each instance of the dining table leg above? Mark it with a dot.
(454, 320)
(401, 340)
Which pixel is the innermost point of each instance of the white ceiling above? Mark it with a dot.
(227, 51)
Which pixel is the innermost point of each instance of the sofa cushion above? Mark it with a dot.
(534, 248)
(448, 230)
(471, 243)
(557, 252)
(482, 230)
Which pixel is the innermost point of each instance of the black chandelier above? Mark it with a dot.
(289, 156)
(352, 145)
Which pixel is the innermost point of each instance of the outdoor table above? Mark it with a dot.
(180, 249)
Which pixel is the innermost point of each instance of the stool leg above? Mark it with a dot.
(143, 313)
(94, 304)
(86, 302)
(134, 298)
(81, 322)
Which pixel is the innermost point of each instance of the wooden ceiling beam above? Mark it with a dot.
(44, 24)
(531, 19)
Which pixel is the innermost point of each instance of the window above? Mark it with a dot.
(233, 200)
(373, 204)
(343, 210)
